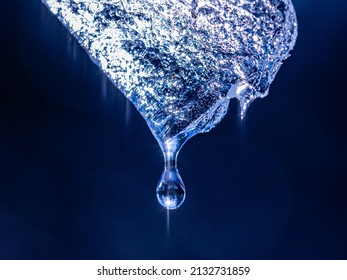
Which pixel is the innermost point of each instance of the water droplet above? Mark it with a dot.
(170, 190)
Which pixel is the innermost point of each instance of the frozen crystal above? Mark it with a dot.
(180, 61)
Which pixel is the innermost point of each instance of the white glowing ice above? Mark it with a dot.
(180, 61)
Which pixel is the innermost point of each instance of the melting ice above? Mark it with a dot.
(181, 61)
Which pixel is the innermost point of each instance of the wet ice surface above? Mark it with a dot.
(180, 61)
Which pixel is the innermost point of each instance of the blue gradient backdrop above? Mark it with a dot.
(79, 167)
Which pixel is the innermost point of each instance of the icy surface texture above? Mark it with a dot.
(180, 61)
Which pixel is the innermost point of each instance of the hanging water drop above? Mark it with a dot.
(170, 190)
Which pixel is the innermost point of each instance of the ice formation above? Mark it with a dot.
(180, 61)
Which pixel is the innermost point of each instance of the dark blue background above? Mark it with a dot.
(79, 166)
